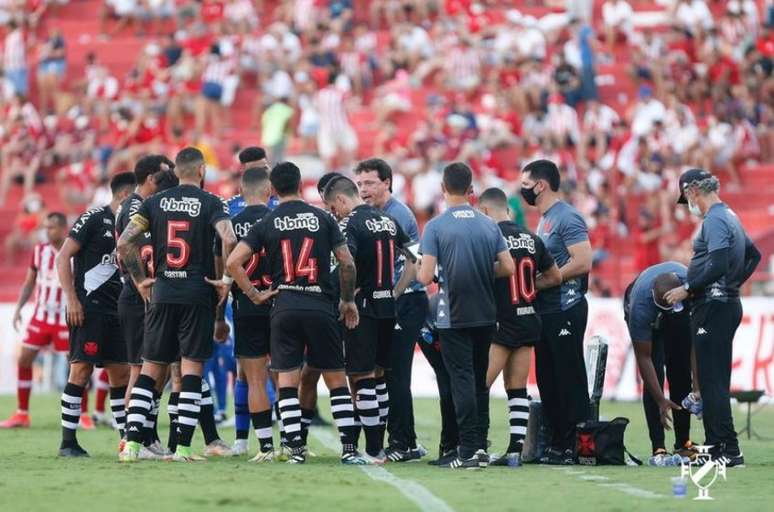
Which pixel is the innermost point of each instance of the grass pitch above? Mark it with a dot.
(32, 478)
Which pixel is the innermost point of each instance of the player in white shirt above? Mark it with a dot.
(48, 324)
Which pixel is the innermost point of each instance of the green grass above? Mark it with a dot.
(32, 478)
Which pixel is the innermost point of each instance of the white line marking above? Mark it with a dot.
(634, 491)
(594, 478)
(425, 500)
(602, 481)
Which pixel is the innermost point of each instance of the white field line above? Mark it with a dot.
(425, 500)
(604, 481)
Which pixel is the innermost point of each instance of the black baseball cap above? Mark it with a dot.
(688, 178)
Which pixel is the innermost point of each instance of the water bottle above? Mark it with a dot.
(427, 336)
(514, 461)
(679, 487)
(678, 307)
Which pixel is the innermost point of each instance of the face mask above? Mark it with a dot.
(529, 195)
(694, 209)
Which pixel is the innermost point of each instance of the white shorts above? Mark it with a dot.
(330, 143)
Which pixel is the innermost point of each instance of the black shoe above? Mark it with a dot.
(483, 458)
(556, 457)
(458, 463)
(297, 455)
(444, 458)
(394, 454)
(507, 459)
(733, 460)
(73, 451)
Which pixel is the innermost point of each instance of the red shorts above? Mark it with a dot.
(41, 334)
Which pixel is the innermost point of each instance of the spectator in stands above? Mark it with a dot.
(15, 58)
(126, 12)
(694, 16)
(276, 127)
(597, 130)
(646, 112)
(336, 139)
(617, 19)
(209, 110)
(52, 65)
(25, 232)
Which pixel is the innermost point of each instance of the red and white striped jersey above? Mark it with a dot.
(218, 70)
(14, 51)
(49, 299)
(330, 106)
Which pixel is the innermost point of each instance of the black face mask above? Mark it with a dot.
(529, 195)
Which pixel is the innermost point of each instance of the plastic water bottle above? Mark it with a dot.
(514, 461)
(678, 307)
(427, 336)
(679, 487)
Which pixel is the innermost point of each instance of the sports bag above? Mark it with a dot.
(601, 443)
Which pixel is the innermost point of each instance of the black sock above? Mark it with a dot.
(118, 407)
(344, 417)
(290, 413)
(306, 422)
(262, 426)
(172, 412)
(71, 414)
(518, 412)
(367, 410)
(207, 415)
(140, 405)
(188, 409)
(283, 437)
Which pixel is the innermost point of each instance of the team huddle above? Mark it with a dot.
(337, 293)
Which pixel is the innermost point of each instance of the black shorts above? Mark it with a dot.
(98, 341)
(368, 345)
(523, 332)
(132, 318)
(316, 332)
(174, 331)
(251, 336)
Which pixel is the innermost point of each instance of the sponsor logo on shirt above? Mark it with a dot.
(380, 225)
(527, 310)
(523, 241)
(382, 294)
(463, 214)
(564, 332)
(109, 259)
(190, 205)
(175, 274)
(308, 221)
(105, 220)
(242, 228)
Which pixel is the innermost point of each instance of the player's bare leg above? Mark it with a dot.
(256, 374)
(21, 418)
(307, 396)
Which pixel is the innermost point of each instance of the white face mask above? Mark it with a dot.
(694, 209)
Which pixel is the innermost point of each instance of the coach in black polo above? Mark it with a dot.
(724, 257)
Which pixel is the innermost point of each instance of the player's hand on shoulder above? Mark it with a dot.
(259, 298)
(222, 331)
(145, 287)
(349, 314)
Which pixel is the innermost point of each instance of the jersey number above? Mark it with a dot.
(380, 260)
(523, 281)
(252, 264)
(175, 227)
(304, 267)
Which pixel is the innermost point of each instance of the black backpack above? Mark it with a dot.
(601, 443)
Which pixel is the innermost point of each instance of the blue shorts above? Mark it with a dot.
(212, 91)
(53, 67)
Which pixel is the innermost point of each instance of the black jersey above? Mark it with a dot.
(181, 222)
(298, 239)
(256, 267)
(125, 211)
(97, 280)
(374, 238)
(515, 295)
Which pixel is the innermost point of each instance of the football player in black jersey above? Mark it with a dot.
(518, 324)
(299, 239)
(91, 283)
(153, 174)
(375, 240)
(183, 222)
(251, 321)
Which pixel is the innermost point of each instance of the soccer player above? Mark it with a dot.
(91, 283)
(374, 179)
(251, 321)
(559, 364)
(153, 174)
(374, 240)
(48, 325)
(469, 251)
(251, 156)
(299, 239)
(518, 323)
(180, 320)
(661, 337)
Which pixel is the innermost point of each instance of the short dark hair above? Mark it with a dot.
(494, 196)
(662, 284)
(457, 178)
(325, 179)
(254, 177)
(121, 181)
(544, 170)
(382, 168)
(57, 217)
(251, 154)
(187, 160)
(340, 185)
(166, 180)
(286, 178)
(150, 164)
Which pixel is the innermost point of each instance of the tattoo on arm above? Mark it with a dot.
(347, 273)
(129, 250)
